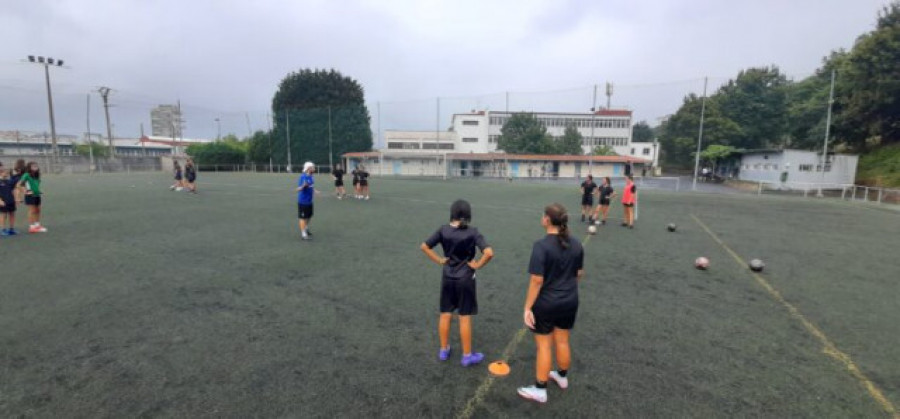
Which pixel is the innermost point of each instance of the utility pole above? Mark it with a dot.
(90, 142)
(249, 129)
(437, 137)
(143, 144)
(218, 129)
(269, 135)
(591, 141)
(827, 130)
(104, 93)
(507, 102)
(700, 136)
(609, 93)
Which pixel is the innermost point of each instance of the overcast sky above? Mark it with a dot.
(224, 59)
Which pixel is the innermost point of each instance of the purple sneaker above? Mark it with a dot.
(444, 353)
(472, 359)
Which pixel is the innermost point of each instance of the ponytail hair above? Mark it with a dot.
(559, 218)
(461, 211)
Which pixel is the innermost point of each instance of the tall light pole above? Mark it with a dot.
(827, 130)
(591, 141)
(218, 129)
(47, 63)
(700, 135)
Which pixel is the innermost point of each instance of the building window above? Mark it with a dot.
(646, 151)
(470, 139)
(493, 138)
(470, 122)
(806, 168)
(437, 146)
(632, 151)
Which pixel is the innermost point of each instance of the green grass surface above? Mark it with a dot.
(880, 167)
(145, 302)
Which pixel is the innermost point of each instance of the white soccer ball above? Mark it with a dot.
(179, 189)
(592, 230)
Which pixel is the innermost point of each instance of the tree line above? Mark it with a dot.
(762, 108)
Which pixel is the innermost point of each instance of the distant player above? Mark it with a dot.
(356, 190)
(460, 243)
(587, 198)
(305, 190)
(363, 183)
(31, 183)
(179, 181)
(8, 200)
(338, 175)
(629, 198)
(551, 304)
(190, 174)
(605, 193)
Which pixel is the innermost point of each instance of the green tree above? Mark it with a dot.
(678, 135)
(867, 104)
(714, 153)
(305, 103)
(603, 150)
(260, 147)
(570, 143)
(808, 104)
(641, 132)
(524, 134)
(228, 150)
(100, 150)
(756, 101)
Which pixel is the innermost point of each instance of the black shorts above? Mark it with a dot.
(459, 295)
(628, 205)
(587, 200)
(338, 183)
(304, 211)
(32, 200)
(355, 182)
(191, 179)
(178, 177)
(364, 183)
(8, 208)
(604, 202)
(546, 320)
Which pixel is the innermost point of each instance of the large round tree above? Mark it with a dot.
(307, 104)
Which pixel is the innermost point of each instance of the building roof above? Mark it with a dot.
(504, 156)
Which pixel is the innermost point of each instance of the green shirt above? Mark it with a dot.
(31, 184)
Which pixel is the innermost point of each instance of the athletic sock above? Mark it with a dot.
(562, 373)
(540, 384)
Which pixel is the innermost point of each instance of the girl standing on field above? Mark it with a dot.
(363, 183)
(551, 304)
(179, 183)
(629, 198)
(338, 175)
(190, 173)
(605, 193)
(31, 183)
(460, 243)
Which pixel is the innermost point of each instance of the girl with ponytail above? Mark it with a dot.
(551, 304)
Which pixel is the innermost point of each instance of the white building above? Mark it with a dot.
(797, 168)
(478, 132)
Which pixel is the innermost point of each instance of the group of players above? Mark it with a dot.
(360, 182)
(187, 180)
(605, 193)
(20, 184)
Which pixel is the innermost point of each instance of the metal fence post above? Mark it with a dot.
(880, 191)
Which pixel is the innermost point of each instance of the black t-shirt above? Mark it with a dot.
(606, 191)
(338, 174)
(588, 187)
(363, 176)
(459, 245)
(355, 174)
(559, 267)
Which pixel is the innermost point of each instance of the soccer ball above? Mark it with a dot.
(757, 265)
(179, 189)
(671, 227)
(701, 263)
(592, 230)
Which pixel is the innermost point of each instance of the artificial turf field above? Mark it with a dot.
(150, 303)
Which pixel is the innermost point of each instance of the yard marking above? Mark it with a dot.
(488, 382)
(829, 347)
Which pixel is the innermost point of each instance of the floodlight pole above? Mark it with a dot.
(700, 136)
(330, 151)
(90, 143)
(591, 141)
(827, 130)
(287, 117)
(47, 63)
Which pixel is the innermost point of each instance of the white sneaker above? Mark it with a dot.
(562, 382)
(367, 198)
(533, 393)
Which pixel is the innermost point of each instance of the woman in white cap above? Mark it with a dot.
(305, 191)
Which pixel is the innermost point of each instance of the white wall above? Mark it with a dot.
(802, 168)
